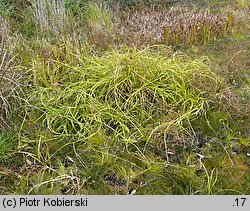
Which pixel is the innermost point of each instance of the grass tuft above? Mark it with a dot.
(130, 94)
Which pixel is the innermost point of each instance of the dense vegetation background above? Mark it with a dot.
(124, 97)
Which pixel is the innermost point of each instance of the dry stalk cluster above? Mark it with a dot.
(50, 14)
(10, 87)
(178, 25)
(4, 30)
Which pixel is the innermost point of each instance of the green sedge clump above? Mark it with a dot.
(127, 94)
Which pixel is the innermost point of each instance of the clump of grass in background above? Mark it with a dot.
(243, 3)
(193, 26)
(10, 83)
(5, 27)
(5, 9)
(50, 15)
(136, 4)
(98, 15)
(19, 16)
(100, 24)
(179, 25)
(4, 30)
(239, 11)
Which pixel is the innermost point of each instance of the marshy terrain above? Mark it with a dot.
(124, 97)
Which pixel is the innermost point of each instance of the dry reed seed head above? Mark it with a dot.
(187, 23)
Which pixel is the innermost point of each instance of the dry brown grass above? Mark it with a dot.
(4, 30)
(50, 14)
(179, 25)
(10, 87)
